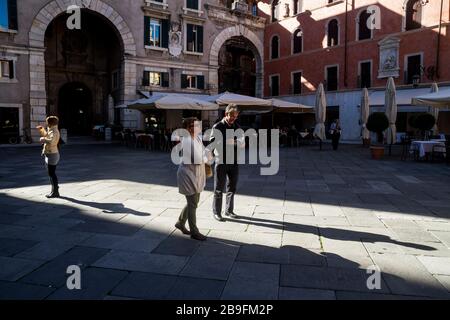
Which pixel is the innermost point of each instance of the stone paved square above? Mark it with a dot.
(310, 232)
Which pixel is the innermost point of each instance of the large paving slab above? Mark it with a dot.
(309, 232)
(252, 281)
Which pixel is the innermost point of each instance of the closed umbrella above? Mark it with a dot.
(435, 110)
(391, 112)
(321, 114)
(365, 113)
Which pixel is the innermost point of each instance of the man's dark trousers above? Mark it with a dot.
(221, 173)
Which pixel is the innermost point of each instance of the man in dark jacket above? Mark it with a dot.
(224, 169)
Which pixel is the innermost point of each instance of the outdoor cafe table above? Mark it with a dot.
(425, 147)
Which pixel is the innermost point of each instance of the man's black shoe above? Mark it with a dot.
(198, 236)
(218, 217)
(231, 215)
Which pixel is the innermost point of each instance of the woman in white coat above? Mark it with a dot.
(191, 176)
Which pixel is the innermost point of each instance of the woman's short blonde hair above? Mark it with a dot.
(52, 121)
(231, 108)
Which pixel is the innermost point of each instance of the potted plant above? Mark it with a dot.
(378, 122)
(423, 122)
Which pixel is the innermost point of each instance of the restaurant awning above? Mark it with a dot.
(440, 99)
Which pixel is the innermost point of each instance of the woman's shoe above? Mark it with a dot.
(53, 194)
(182, 229)
(198, 236)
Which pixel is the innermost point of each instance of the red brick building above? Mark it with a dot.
(313, 41)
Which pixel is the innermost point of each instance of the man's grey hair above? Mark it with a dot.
(231, 108)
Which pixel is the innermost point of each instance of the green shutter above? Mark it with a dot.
(147, 31)
(165, 79)
(165, 33)
(12, 15)
(201, 82)
(184, 81)
(200, 38)
(11, 69)
(146, 79)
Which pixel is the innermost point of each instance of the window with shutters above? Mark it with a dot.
(194, 38)
(190, 81)
(7, 70)
(8, 15)
(156, 79)
(156, 33)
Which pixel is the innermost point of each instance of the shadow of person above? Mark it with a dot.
(112, 208)
(328, 232)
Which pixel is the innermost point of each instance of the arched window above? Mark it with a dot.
(275, 48)
(275, 10)
(333, 33)
(363, 30)
(297, 41)
(413, 15)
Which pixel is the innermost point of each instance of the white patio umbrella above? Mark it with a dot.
(365, 113)
(173, 101)
(440, 99)
(435, 110)
(391, 111)
(321, 113)
(282, 106)
(245, 103)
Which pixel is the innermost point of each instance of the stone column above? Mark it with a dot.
(213, 86)
(38, 95)
(131, 119)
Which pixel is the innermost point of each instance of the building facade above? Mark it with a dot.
(120, 51)
(352, 44)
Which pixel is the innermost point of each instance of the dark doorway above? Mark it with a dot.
(237, 72)
(75, 109)
(9, 124)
